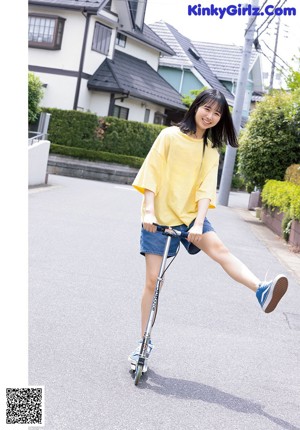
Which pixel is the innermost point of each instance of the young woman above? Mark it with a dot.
(179, 180)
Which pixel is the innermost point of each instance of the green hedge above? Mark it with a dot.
(73, 128)
(106, 134)
(283, 195)
(127, 137)
(91, 155)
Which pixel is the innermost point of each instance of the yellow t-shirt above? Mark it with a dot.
(178, 174)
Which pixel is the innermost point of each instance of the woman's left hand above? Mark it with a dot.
(195, 233)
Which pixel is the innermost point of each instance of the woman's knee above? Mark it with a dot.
(153, 263)
(221, 253)
(217, 250)
(151, 281)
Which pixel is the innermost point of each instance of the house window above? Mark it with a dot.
(159, 118)
(101, 38)
(121, 112)
(147, 115)
(45, 31)
(133, 5)
(121, 40)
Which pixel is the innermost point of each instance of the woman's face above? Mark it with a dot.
(207, 116)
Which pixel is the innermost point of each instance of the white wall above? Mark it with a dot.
(38, 154)
(99, 103)
(60, 90)
(143, 52)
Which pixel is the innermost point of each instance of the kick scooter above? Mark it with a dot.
(143, 355)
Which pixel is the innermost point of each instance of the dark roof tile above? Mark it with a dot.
(151, 38)
(126, 74)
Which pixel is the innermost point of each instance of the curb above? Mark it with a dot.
(97, 171)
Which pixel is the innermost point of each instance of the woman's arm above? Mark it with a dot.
(149, 212)
(196, 231)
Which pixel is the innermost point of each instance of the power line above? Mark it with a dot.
(250, 25)
(270, 61)
(274, 16)
(276, 54)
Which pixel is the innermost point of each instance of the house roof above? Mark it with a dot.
(69, 4)
(126, 74)
(149, 37)
(187, 55)
(224, 60)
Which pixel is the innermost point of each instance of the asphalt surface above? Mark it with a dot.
(219, 362)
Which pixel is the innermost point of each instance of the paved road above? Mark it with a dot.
(219, 361)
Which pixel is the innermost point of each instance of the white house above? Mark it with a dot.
(99, 56)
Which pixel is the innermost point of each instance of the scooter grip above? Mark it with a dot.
(160, 227)
(184, 234)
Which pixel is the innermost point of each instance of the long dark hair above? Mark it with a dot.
(223, 131)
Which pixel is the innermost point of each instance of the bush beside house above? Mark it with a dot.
(85, 136)
(35, 94)
(271, 140)
(281, 206)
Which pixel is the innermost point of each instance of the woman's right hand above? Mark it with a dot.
(149, 219)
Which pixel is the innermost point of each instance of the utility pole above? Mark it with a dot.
(275, 53)
(230, 154)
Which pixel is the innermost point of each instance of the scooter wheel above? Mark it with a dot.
(138, 374)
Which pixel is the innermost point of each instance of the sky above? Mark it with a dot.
(231, 29)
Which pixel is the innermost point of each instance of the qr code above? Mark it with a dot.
(24, 406)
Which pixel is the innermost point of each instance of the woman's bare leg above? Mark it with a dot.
(153, 263)
(214, 248)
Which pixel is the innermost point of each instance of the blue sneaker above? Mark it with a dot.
(134, 356)
(270, 293)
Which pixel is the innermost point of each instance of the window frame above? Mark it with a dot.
(121, 38)
(147, 115)
(59, 24)
(159, 118)
(121, 108)
(101, 45)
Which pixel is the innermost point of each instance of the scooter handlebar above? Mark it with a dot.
(173, 231)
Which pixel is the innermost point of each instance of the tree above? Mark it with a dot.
(188, 99)
(35, 95)
(270, 141)
(293, 79)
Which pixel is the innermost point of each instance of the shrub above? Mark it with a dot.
(92, 155)
(108, 134)
(283, 195)
(292, 174)
(73, 128)
(35, 95)
(271, 139)
(126, 137)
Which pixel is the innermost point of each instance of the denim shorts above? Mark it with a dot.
(154, 243)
